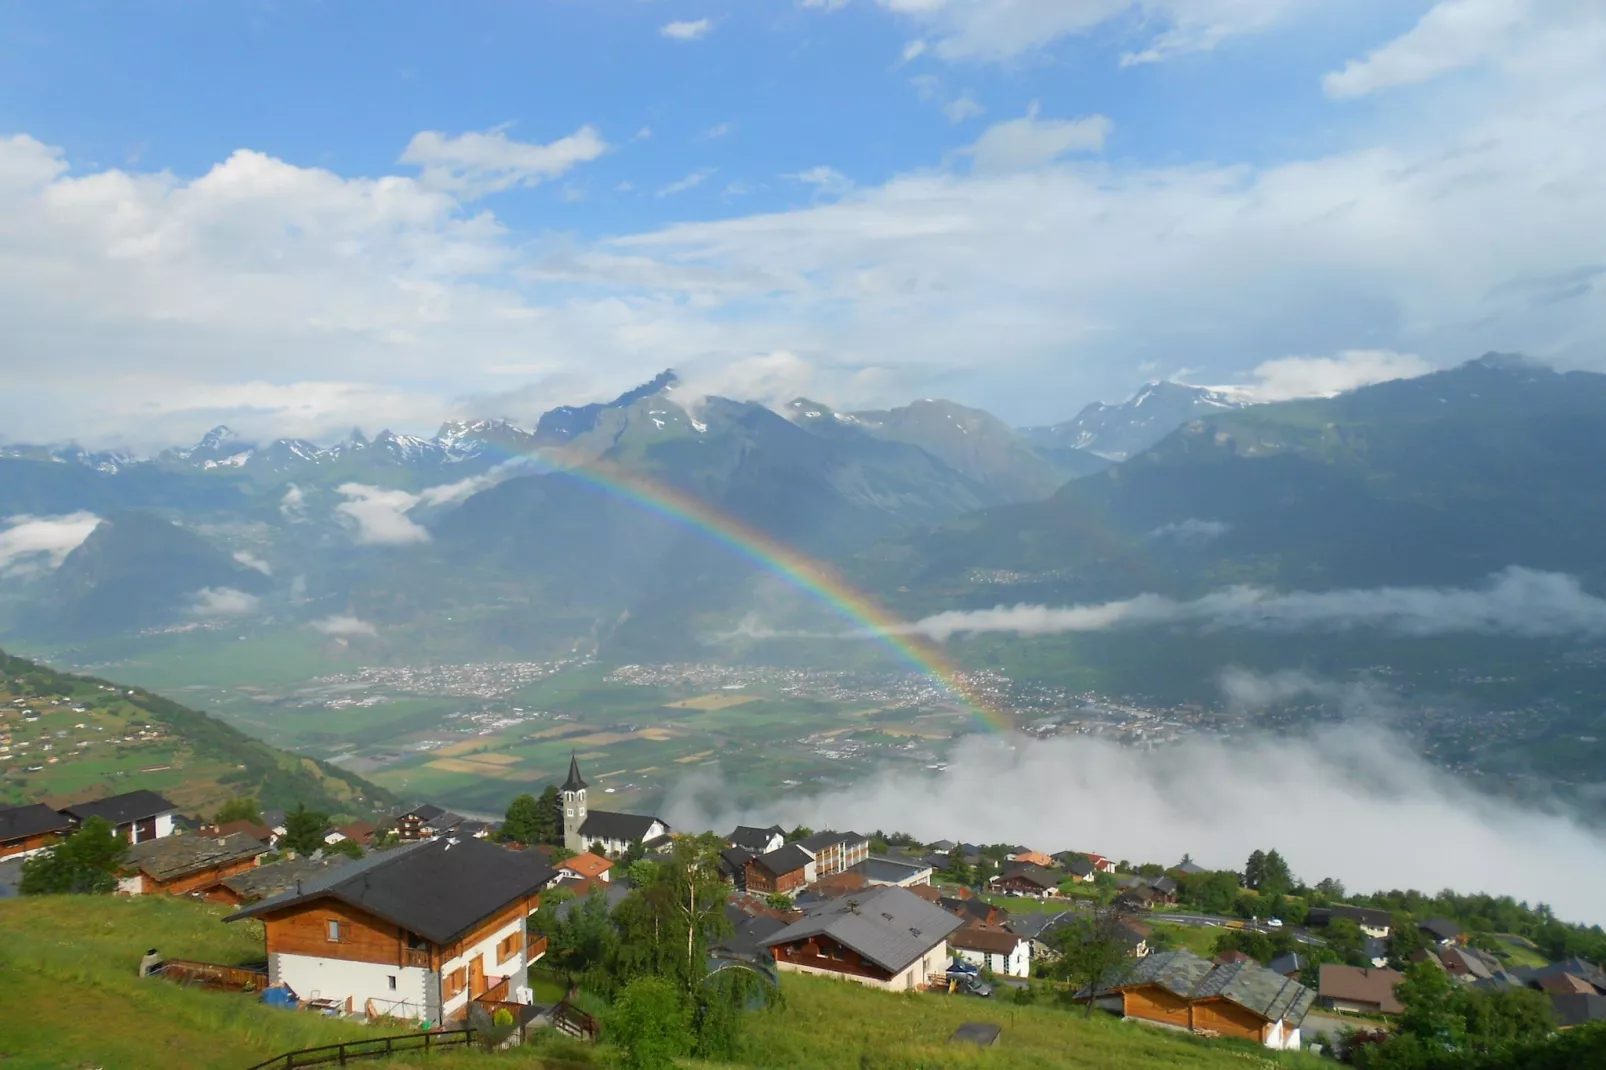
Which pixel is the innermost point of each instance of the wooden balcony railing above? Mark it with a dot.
(497, 993)
(535, 948)
(418, 957)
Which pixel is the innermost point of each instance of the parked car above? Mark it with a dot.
(1274, 923)
(974, 986)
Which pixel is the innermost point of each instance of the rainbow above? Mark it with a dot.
(813, 578)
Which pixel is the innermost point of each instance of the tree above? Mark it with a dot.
(1255, 870)
(1094, 952)
(349, 848)
(1212, 893)
(1430, 1014)
(779, 901)
(522, 822)
(652, 1023)
(549, 817)
(1405, 940)
(1347, 941)
(239, 808)
(85, 863)
(801, 832)
(581, 945)
(304, 830)
(1275, 878)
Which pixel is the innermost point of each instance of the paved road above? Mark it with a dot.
(1303, 936)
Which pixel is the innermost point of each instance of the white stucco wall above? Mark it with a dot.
(164, 824)
(315, 978)
(513, 968)
(915, 975)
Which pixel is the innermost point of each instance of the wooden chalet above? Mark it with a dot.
(887, 938)
(1359, 989)
(417, 931)
(834, 852)
(426, 821)
(185, 865)
(991, 947)
(1028, 879)
(1183, 991)
(254, 885)
(26, 830)
(781, 872)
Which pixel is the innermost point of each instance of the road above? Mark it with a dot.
(1301, 936)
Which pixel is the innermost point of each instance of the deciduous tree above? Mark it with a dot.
(84, 863)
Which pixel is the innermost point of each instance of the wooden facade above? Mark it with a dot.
(764, 882)
(27, 843)
(823, 953)
(206, 881)
(1152, 1003)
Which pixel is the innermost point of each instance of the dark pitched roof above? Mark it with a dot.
(1190, 868)
(1575, 1008)
(753, 838)
(1032, 874)
(435, 888)
(821, 840)
(1077, 865)
(889, 926)
(1038, 924)
(19, 822)
(176, 856)
(606, 825)
(121, 809)
(783, 860)
(1288, 964)
(574, 783)
(1443, 928)
(734, 859)
(427, 812)
(971, 909)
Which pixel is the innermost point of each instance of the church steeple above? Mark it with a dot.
(574, 806)
(574, 783)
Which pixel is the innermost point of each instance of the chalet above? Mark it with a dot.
(973, 911)
(1101, 864)
(942, 847)
(426, 821)
(1443, 931)
(1467, 964)
(833, 887)
(136, 816)
(1359, 989)
(242, 827)
(586, 866)
(26, 830)
(879, 871)
(1076, 866)
(1188, 868)
(1039, 928)
(758, 841)
(991, 948)
(187, 865)
(834, 852)
(1573, 1009)
(886, 938)
(1180, 990)
(1028, 879)
(1373, 923)
(1134, 936)
(1036, 858)
(361, 833)
(599, 830)
(1290, 965)
(781, 872)
(418, 931)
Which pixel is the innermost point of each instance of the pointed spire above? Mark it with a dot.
(574, 783)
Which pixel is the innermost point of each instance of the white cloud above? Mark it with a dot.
(963, 107)
(477, 163)
(293, 506)
(212, 602)
(463, 489)
(344, 627)
(913, 50)
(691, 181)
(1303, 377)
(1029, 142)
(1425, 828)
(717, 131)
(250, 560)
(379, 516)
(1451, 36)
(993, 30)
(773, 380)
(687, 31)
(1516, 601)
(31, 543)
(827, 180)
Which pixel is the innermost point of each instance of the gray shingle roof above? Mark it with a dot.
(175, 856)
(438, 889)
(753, 838)
(278, 877)
(889, 926)
(1247, 984)
(19, 822)
(887, 870)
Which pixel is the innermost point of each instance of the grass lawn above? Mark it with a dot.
(1200, 939)
(1517, 951)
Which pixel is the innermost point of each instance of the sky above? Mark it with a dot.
(296, 217)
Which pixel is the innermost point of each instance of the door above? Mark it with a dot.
(476, 977)
(145, 829)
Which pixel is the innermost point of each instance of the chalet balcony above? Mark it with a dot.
(536, 948)
(416, 957)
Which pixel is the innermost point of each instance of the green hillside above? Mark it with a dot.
(74, 737)
(73, 962)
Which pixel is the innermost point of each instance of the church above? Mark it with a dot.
(600, 831)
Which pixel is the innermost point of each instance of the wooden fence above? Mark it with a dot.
(376, 1048)
(212, 975)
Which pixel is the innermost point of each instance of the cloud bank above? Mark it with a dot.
(344, 627)
(31, 543)
(1218, 801)
(1515, 601)
(211, 602)
(378, 517)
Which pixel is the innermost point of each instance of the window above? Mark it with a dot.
(334, 932)
(456, 981)
(392, 979)
(509, 947)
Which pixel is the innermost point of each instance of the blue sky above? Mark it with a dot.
(300, 215)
